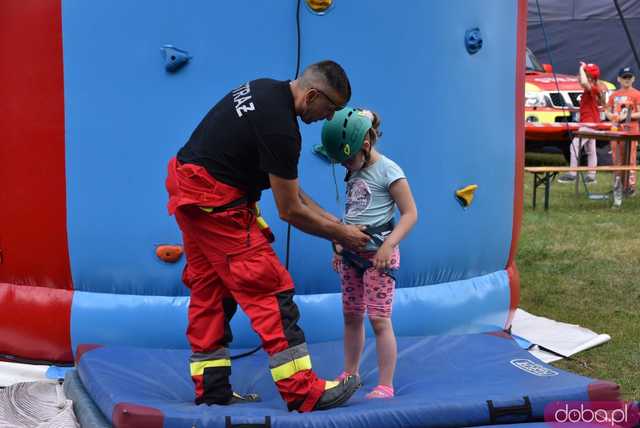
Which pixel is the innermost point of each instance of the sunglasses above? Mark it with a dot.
(627, 76)
(335, 105)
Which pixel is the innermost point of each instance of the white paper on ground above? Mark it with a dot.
(11, 373)
(562, 338)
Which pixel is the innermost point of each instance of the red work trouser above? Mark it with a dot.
(229, 259)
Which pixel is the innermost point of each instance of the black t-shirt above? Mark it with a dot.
(250, 133)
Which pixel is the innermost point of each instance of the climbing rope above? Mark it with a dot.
(257, 348)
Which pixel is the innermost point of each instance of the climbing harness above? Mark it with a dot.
(361, 264)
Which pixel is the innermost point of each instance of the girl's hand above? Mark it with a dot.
(382, 259)
(336, 263)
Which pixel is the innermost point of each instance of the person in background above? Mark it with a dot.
(593, 97)
(623, 109)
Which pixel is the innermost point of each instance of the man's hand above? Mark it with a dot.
(353, 238)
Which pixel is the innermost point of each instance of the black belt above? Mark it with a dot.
(377, 236)
(235, 203)
(377, 233)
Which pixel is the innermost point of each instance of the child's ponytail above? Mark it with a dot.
(374, 133)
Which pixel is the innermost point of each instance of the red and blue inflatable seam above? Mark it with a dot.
(514, 276)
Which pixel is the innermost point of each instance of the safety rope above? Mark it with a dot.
(257, 348)
(286, 260)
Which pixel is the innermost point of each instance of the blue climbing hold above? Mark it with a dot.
(473, 40)
(174, 58)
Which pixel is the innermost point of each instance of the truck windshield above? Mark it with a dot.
(532, 62)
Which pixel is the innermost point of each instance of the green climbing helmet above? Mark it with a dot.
(343, 135)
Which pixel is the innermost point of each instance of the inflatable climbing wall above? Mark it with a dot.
(97, 96)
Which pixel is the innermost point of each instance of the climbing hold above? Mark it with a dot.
(319, 7)
(174, 58)
(169, 253)
(473, 40)
(465, 195)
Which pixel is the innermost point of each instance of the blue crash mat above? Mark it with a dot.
(554, 425)
(467, 380)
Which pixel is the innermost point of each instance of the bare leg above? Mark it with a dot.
(386, 349)
(353, 341)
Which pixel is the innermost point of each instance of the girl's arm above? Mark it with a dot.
(401, 193)
(602, 95)
(582, 78)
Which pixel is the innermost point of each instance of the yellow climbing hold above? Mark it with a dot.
(465, 195)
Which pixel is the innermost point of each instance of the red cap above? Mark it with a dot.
(592, 70)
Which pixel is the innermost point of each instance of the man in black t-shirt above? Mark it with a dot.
(248, 142)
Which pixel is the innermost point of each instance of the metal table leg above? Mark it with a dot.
(547, 185)
(536, 183)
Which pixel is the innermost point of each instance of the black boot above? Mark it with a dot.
(339, 394)
(237, 398)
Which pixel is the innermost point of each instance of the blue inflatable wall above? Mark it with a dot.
(450, 119)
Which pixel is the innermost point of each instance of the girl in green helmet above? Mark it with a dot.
(375, 187)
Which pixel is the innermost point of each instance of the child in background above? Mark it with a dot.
(375, 186)
(623, 108)
(593, 96)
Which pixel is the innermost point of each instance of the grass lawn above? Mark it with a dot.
(580, 263)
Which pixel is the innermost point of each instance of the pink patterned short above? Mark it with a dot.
(372, 291)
